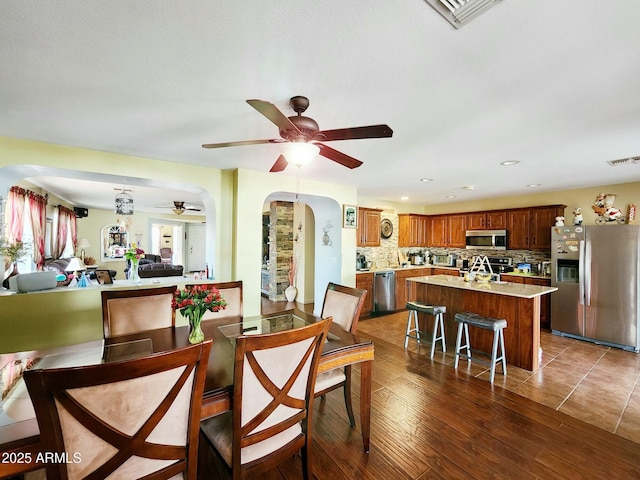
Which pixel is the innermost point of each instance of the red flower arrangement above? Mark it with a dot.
(194, 300)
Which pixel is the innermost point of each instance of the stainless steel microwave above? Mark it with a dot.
(486, 239)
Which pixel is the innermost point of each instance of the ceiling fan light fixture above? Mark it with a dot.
(300, 153)
(178, 211)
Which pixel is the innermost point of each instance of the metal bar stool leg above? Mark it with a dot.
(438, 326)
(494, 354)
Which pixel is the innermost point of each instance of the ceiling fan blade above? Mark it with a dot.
(280, 165)
(193, 209)
(372, 131)
(241, 143)
(270, 111)
(339, 157)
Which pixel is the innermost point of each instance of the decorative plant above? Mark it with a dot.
(133, 253)
(194, 300)
(13, 251)
(293, 269)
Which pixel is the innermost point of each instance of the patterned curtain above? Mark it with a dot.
(37, 207)
(66, 217)
(15, 207)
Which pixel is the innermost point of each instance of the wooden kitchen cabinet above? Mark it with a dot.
(496, 220)
(545, 300)
(530, 228)
(518, 229)
(476, 221)
(368, 233)
(364, 281)
(445, 271)
(457, 228)
(402, 293)
(542, 219)
(438, 232)
(487, 220)
(413, 230)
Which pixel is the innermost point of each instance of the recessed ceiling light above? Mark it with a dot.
(534, 185)
(451, 196)
(404, 198)
(426, 179)
(509, 162)
(469, 187)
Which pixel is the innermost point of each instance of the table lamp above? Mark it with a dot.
(82, 244)
(77, 265)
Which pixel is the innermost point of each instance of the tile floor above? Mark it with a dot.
(594, 383)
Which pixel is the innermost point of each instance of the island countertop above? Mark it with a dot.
(499, 288)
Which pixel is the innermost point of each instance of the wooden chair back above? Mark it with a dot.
(344, 305)
(136, 310)
(232, 294)
(130, 419)
(274, 378)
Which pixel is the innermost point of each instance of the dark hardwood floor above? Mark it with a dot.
(429, 421)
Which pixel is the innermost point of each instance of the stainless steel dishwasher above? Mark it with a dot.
(384, 291)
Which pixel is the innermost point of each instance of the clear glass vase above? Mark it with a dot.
(196, 334)
(134, 276)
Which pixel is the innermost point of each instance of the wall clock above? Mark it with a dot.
(386, 228)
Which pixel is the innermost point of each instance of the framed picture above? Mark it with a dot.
(349, 216)
(103, 277)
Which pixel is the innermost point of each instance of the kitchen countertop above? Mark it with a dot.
(510, 289)
(410, 267)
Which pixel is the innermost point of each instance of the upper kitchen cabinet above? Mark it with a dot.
(542, 219)
(496, 220)
(530, 228)
(457, 227)
(518, 229)
(368, 233)
(487, 220)
(413, 230)
(438, 231)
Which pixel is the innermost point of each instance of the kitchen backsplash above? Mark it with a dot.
(386, 254)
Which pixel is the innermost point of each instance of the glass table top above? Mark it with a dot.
(256, 326)
(15, 404)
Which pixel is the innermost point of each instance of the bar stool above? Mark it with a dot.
(437, 312)
(465, 319)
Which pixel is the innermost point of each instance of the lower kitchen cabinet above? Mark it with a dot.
(545, 300)
(364, 281)
(402, 294)
(446, 271)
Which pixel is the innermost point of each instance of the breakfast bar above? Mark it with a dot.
(518, 303)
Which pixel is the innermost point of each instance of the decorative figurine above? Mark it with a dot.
(560, 221)
(577, 216)
(605, 211)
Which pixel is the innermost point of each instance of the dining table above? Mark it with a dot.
(20, 448)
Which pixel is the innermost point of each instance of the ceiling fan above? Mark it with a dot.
(304, 133)
(179, 208)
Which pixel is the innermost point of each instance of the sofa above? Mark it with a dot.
(151, 266)
(59, 265)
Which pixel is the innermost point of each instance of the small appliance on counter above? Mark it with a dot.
(444, 260)
(417, 258)
(361, 263)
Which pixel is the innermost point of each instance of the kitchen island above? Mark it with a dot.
(518, 303)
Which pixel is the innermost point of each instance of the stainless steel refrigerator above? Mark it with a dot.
(596, 269)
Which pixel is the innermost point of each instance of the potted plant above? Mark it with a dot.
(13, 252)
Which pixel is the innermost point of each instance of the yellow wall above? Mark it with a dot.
(627, 193)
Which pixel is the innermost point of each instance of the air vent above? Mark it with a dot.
(624, 161)
(461, 12)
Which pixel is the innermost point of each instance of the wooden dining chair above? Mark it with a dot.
(123, 420)
(232, 294)
(344, 305)
(136, 310)
(274, 377)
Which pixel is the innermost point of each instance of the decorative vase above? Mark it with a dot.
(290, 293)
(13, 273)
(196, 335)
(134, 276)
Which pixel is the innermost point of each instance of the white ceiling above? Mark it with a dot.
(551, 84)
